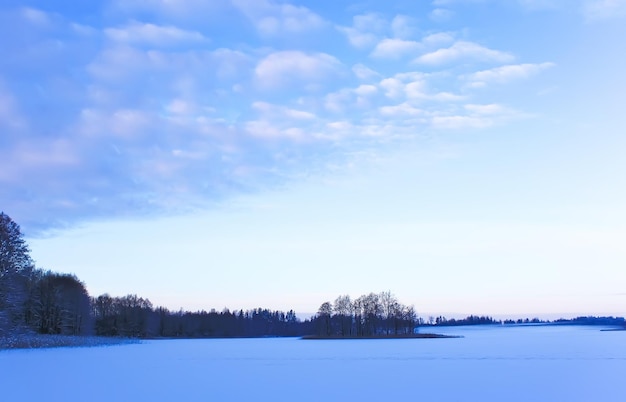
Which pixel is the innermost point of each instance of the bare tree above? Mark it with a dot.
(410, 318)
(324, 313)
(343, 311)
(389, 305)
(59, 304)
(372, 310)
(357, 311)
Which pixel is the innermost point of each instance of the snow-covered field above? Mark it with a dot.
(488, 364)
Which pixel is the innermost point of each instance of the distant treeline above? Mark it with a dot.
(33, 300)
(46, 302)
(132, 316)
(485, 320)
(470, 320)
(37, 301)
(592, 321)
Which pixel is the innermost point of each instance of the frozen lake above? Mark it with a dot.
(489, 364)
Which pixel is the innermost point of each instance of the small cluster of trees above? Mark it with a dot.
(57, 304)
(129, 316)
(34, 299)
(368, 315)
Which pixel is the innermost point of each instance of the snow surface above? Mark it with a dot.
(553, 363)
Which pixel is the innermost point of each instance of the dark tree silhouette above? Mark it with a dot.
(368, 315)
(324, 319)
(343, 314)
(15, 266)
(59, 304)
(128, 316)
(34, 300)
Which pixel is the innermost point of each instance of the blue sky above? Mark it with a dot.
(465, 154)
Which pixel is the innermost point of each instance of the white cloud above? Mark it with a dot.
(181, 107)
(419, 90)
(403, 26)
(364, 73)
(119, 62)
(438, 39)
(128, 124)
(477, 116)
(393, 87)
(416, 90)
(366, 90)
(186, 70)
(401, 110)
(543, 4)
(414, 86)
(489, 109)
(230, 64)
(272, 18)
(358, 38)
(506, 73)
(145, 33)
(365, 31)
(350, 98)
(35, 16)
(395, 48)
(280, 112)
(370, 22)
(185, 154)
(268, 130)
(338, 101)
(449, 2)
(199, 117)
(464, 50)
(440, 14)
(595, 10)
(281, 68)
(84, 30)
(460, 122)
(9, 115)
(178, 9)
(45, 154)
(339, 125)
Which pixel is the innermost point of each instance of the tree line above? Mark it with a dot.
(46, 302)
(133, 316)
(469, 320)
(33, 300)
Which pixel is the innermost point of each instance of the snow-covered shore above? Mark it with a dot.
(31, 341)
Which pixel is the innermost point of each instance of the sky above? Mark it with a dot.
(466, 155)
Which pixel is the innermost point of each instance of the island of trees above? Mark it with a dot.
(368, 316)
(35, 302)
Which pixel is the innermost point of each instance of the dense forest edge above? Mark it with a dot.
(42, 308)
